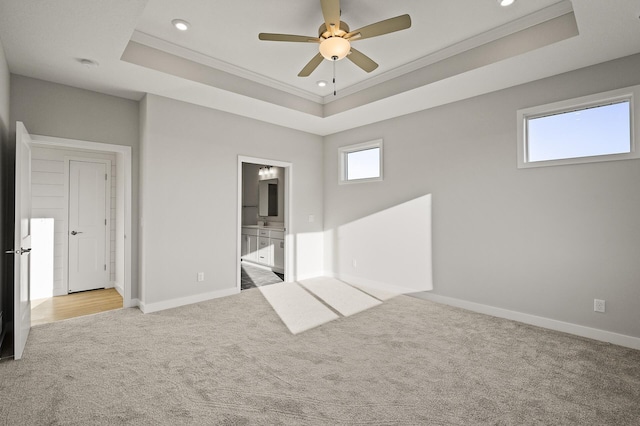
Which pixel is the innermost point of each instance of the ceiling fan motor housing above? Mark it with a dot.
(323, 32)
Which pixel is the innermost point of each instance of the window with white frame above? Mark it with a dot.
(592, 128)
(361, 162)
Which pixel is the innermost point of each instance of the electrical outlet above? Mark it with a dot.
(598, 305)
(354, 263)
(200, 276)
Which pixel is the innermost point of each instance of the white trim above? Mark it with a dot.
(119, 289)
(631, 94)
(311, 275)
(548, 13)
(551, 324)
(344, 151)
(200, 58)
(288, 214)
(124, 164)
(181, 301)
(365, 282)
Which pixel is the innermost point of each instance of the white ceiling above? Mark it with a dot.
(240, 74)
(435, 25)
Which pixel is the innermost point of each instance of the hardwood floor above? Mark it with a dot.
(74, 305)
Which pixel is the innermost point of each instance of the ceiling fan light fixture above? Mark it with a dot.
(335, 48)
(180, 24)
(506, 2)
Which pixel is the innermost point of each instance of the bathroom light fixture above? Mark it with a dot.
(180, 24)
(264, 170)
(506, 2)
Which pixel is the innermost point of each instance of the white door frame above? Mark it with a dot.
(288, 208)
(67, 183)
(123, 203)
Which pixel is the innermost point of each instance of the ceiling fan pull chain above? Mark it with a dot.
(334, 77)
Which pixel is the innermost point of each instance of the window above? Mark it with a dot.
(361, 162)
(588, 129)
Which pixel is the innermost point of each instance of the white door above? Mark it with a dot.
(87, 226)
(22, 243)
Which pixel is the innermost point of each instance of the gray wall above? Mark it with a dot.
(189, 204)
(5, 166)
(66, 112)
(541, 241)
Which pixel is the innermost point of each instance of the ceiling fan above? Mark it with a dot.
(335, 38)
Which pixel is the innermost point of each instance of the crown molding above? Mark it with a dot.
(554, 11)
(533, 19)
(201, 58)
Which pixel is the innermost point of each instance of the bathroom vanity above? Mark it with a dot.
(264, 246)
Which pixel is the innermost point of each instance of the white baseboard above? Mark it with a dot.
(174, 303)
(119, 289)
(551, 324)
(308, 276)
(365, 282)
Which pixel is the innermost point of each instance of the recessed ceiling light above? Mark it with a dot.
(88, 63)
(321, 83)
(180, 24)
(506, 2)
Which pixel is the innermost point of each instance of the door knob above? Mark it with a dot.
(18, 251)
(75, 232)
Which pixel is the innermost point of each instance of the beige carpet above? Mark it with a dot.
(232, 361)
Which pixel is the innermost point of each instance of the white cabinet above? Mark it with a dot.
(277, 250)
(249, 246)
(278, 255)
(264, 251)
(263, 246)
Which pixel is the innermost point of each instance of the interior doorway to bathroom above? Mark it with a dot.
(263, 222)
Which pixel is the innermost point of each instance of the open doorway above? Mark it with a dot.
(263, 222)
(81, 201)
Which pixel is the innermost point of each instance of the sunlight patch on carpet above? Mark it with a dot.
(340, 296)
(375, 292)
(298, 309)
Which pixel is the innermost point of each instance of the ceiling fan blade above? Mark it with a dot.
(331, 13)
(311, 66)
(387, 26)
(288, 37)
(362, 60)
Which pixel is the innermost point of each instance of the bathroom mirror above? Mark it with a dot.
(268, 197)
